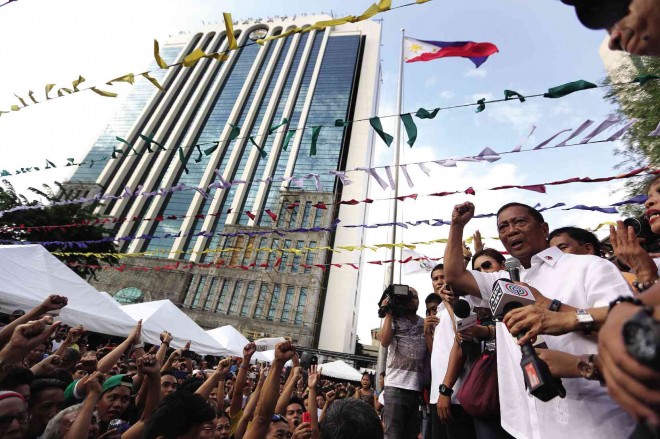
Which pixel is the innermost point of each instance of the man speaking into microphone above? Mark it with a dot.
(579, 281)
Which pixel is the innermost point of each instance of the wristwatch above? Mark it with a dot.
(585, 320)
(446, 391)
(641, 335)
(587, 368)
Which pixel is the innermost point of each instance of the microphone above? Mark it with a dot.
(512, 265)
(465, 318)
(538, 379)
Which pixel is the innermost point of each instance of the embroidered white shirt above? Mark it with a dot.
(587, 411)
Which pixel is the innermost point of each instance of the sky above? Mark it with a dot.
(541, 45)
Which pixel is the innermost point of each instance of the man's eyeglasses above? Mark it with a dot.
(485, 266)
(7, 420)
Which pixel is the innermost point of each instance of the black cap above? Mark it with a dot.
(599, 14)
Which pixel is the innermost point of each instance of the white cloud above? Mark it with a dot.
(520, 116)
(476, 73)
(447, 94)
(431, 81)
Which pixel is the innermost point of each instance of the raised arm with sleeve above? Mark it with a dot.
(51, 303)
(386, 330)
(454, 265)
(93, 389)
(106, 363)
(236, 403)
(266, 405)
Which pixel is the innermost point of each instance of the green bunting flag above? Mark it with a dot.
(287, 139)
(375, 123)
(261, 150)
(235, 132)
(341, 123)
(183, 160)
(643, 79)
(510, 94)
(411, 128)
(482, 105)
(274, 128)
(149, 141)
(568, 88)
(211, 150)
(199, 158)
(130, 147)
(315, 137)
(423, 113)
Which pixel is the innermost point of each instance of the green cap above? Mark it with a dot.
(117, 380)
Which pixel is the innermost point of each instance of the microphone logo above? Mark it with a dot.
(517, 290)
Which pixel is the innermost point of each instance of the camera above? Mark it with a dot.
(649, 240)
(399, 296)
(641, 335)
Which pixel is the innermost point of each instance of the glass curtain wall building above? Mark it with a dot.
(286, 286)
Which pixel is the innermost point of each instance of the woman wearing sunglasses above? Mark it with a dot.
(488, 260)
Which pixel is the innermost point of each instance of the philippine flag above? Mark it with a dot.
(422, 50)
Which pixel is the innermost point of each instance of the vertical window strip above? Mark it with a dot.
(300, 309)
(245, 309)
(198, 292)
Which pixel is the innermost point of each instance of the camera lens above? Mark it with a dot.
(635, 224)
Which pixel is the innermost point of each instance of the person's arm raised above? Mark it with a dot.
(266, 405)
(312, 382)
(71, 337)
(25, 338)
(248, 412)
(454, 265)
(165, 339)
(285, 396)
(109, 360)
(92, 389)
(212, 381)
(237, 398)
(150, 367)
(50, 303)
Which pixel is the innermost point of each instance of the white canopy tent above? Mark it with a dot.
(29, 274)
(340, 370)
(231, 339)
(163, 315)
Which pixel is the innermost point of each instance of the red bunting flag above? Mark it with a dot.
(320, 205)
(271, 214)
(250, 214)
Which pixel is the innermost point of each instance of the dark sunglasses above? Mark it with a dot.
(485, 266)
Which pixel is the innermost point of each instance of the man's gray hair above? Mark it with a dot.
(351, 418)
(52, 430)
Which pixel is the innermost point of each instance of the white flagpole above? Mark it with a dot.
(382, 352)
(394, 278)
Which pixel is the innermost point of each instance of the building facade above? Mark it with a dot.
(211, 249)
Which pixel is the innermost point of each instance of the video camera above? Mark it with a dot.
(398, 297)
(650, 241)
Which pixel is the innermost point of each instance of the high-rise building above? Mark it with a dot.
(185, 135)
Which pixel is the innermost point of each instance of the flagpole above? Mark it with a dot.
(397, 159)
(382, 352)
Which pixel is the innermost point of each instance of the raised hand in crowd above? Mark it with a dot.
(25, 338)
(476, 241)
(82, 424)
(212, 379)
(165, 340)
(50, 303)
(148, 366)
(109, 360)
(627, 249)
(72, 337)
(47, 366)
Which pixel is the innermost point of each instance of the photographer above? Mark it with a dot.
(402, 333)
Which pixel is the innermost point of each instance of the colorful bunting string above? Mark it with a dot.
(282, 232)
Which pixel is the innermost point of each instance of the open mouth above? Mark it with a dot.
(652, 215)
(517, 244)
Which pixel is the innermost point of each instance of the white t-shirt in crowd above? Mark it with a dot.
(587, 411)
(405, 356)
(443, 340)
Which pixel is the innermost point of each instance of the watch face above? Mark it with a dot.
(639, 341)
(586, 369)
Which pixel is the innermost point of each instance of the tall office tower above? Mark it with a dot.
(261, 282)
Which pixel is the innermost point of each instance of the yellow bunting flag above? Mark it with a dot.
(129, 77)
(15, 108)
(49, 87)
(107, 94)
(383, 5)
(68, 90)
(76, 82)
(153, 81)
(193, 57)
(229, 28)
(21, 99)
(159, 60)
(31, 96)
(419, 2)
(320, 25)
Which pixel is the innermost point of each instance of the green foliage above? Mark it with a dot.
(641, 102)
(55, 215)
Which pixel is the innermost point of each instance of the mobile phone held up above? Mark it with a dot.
(306, 417)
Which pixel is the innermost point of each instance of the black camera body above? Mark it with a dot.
(650, 241)
(399, 296)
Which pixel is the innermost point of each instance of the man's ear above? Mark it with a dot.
(590, 249)
(546, 229)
